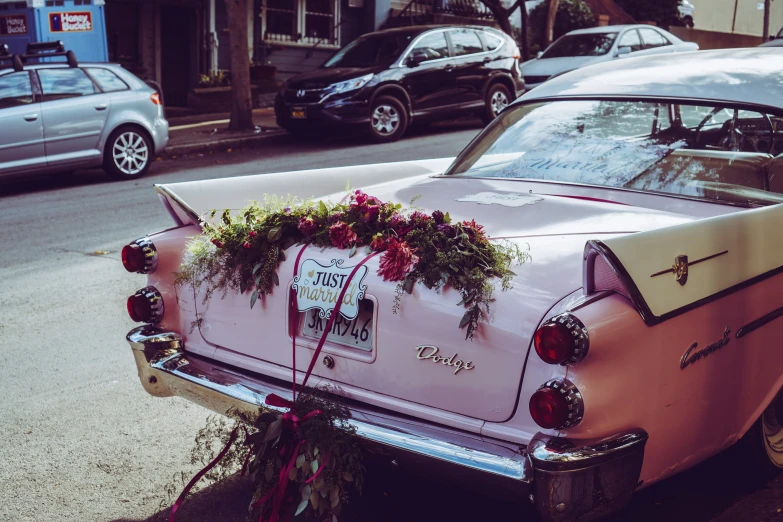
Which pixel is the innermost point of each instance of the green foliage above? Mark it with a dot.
(242, 252)
(215, 79)
(571, 15)
(663, 12)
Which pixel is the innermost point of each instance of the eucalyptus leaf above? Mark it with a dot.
(334, 493)
(315, 499)
(465, 319)
(273, 430)
(292, 474)
(315, 452)
(306, 491)
(242, 286)
(347, 477)
(407, 285)
(314, 466)
(253, 298)
(275, 233)
(282, 255)
(257, 278)
(256, 267)
(334, 501)
(367, 250)
(275, 279)
(352, 252)
(300, 460)
(301, 507)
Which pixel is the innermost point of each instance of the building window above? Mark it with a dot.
(302, 22)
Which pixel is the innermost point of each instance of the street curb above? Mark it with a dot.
(220, 145)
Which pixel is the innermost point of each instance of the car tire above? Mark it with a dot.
(761, 449)
(498, 98)
(128, 153)
(388, 119)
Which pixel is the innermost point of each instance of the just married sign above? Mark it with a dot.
(318, 287)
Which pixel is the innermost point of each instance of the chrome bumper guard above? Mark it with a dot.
(573, 480)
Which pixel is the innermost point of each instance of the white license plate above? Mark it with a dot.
(355, 333)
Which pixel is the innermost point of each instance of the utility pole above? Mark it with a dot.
(767, 8)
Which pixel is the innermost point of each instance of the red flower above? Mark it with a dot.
(398, 222)
(341, 235)
(378, 243)
(307, 226)
(398, 260)
(218, 243)
(472, 224)
(439, 217)
(252, 233)
(370, 213)
(247, 245)
(359, 197)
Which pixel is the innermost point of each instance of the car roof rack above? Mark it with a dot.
(5, 54)
(49, 50)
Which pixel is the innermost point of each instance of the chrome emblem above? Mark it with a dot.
(690, 358)
(428, 352)
(300, 93)
(680, 267)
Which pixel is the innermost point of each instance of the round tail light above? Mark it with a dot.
(146, 305)
(562, 340)
(140, 256)
(557, 405)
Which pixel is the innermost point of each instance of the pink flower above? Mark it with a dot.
(397, 261)
(247, 245)
(378, 243)
(420, 216)
(398, 222)
(370, 213)
(341, 235)
(307, 226)
(359, 197)
(252, 233)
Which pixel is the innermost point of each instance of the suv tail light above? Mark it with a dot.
(146, 305)
(140, 256)
(562, 340)
(557, 405)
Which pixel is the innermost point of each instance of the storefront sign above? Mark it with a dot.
(13, 25)
(318, 287)
(70, 22)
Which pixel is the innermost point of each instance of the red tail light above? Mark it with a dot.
(557, 405)
(155, 97)
(146, 305)
(140, 256)
(562, 340)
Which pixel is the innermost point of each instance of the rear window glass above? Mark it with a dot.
(15, 89)
(64, 83)
(493, 42)
(107, 80)
(465, 42)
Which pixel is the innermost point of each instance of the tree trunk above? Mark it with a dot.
(549, 30)
(241, 103)
(767, 8)
(525, 37)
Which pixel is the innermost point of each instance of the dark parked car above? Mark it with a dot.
(383, 81)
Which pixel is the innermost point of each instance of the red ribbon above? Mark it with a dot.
(200, 474)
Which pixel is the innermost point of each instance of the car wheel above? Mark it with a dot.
(128, 153)
(388, 119)
(498, 98)
(762, 446)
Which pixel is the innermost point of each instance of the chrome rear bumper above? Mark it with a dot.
(574, 480)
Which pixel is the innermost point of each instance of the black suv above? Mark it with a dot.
(385, 80)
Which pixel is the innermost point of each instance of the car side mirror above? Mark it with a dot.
(623, 50)
(540, 54)
(415, 58)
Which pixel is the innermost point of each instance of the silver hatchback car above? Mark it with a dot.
(66, 116)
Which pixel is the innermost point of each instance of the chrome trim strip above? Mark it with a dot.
(165, 191)
(166, 370)
(758, 323)
(401, 63)
(560, 454)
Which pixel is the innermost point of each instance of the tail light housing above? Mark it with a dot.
(146, 305)
(557, 405)
(140, 256)
(562, 340)
(155, 97)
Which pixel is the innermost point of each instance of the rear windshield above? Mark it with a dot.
(371, 50)
(581, 45)
(715, 152)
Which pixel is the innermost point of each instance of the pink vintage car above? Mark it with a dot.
(641, 338)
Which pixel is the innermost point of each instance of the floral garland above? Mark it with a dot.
(304, 460)
(242, 252)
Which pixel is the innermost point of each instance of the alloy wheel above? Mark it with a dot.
(772, 430)
(498, 102)
(385, 119)
(130, 153)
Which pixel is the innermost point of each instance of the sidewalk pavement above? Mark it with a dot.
(200, 133)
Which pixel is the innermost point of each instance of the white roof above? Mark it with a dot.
(751, 76)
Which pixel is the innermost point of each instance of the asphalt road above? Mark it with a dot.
(79, 438)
